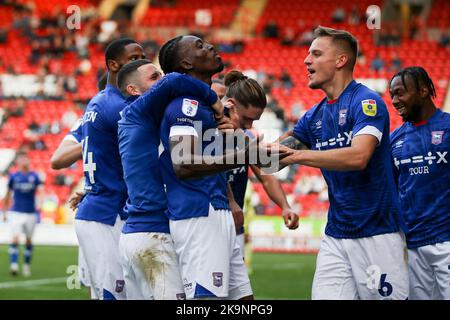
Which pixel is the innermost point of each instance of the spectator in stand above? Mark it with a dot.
(361, 59)
(286, 80)
(268, 83)
(288, 37)
(338, 15)
(18, 108)
(272, 105)
(70, 83)
(297, 110)
(69, 118)
(354, 16)
(306, 38)
(396, 62)
(271, 30)
(444, 39)
(3, 35)
(377, 63)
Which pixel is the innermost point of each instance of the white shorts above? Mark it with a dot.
(209, 255)
(83, 273)
(21, 222)
(429, 272)
(240, 239)
(150, 266)
(371, 268)
(100, 245)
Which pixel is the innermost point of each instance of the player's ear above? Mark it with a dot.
(341, 61)
(424, 92)
(186, 64)
(229, 102)
(132, 90)
(113, 65)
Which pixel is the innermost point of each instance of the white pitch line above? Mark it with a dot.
(31, 283)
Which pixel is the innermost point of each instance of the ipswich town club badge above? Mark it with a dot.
(342, 116)
(436, 137)
(217, 279)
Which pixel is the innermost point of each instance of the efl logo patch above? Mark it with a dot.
(189, 107)
(436, 137)
(217, 279)
(369, 107)
(342, 116)
(120, 284)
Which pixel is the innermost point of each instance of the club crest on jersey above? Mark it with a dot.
(189, 107)
(120, 284)
(369, 107)
(217, 279)
(342, 117)
(181, 296)
(436, 137)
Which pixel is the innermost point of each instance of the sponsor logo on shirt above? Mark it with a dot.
(189, 107)
(428, 159)
(369, 107)
(341, 140)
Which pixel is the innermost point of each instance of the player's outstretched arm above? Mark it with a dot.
(67, 153)
(188, 163)
(174, 85)
(276, 193)
(355, 157)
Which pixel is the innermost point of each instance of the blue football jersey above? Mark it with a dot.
(362, 203)
(105, 188)
(191, 197)
(421, 163)
(139, 140)
(24, 185)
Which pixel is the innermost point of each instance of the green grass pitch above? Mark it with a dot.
(275, 276)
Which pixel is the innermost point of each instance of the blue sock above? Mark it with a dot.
(28, 253)
(13, 253)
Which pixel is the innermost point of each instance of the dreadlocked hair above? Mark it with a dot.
(420, 77)
(168, 56)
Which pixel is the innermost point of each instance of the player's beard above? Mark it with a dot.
(413, 113)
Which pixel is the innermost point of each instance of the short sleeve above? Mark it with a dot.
(371, 117)
(75, 133)
(10, 181)
(181, 115)
(301, 130)
(38, 180)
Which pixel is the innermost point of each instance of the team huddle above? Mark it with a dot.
(161, 213)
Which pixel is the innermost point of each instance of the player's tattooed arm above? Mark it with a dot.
(293, 143)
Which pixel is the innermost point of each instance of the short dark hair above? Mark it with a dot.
(419, 76)
(127, 71)
(342, 38)
(245, 90)
(116, 48)
(169, 58)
